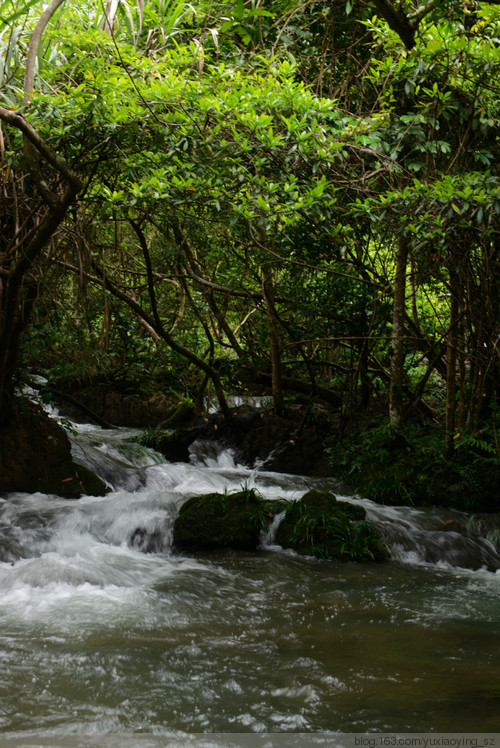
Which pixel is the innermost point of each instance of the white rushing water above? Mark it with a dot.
(104, 629)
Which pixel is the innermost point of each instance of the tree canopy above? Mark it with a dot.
(300, 196)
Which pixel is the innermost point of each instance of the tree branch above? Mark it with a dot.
(398, 21)
(58, 163)
(421, 12)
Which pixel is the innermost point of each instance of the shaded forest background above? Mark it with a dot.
(296, 200)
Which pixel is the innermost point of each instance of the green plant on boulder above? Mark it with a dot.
(220, 521)
(318, 525)
(173, 444)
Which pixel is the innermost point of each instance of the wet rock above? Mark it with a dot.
(319, 525)
(35, 455)
(220, 521)
(453, 525)
(174, 445)
(260, 438)
(182, 414)
(71, 481)
(299, 456)
(452, 548)
(147, 541)
(256, 437)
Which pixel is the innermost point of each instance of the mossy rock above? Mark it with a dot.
(180, 417)
(324, 501)
(220, 521)
(71, 481)
(174, 445)
(319, 525)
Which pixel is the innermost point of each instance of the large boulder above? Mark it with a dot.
(176, 434)
(319, 525)
(220, 521)
(174, 445)
(277, 444)
(35, 455)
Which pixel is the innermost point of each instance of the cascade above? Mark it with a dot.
(427, 536)
(104, 628)
(149, 491)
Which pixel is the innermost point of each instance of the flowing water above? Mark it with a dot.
(104, 629)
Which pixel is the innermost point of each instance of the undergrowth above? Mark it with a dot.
(411, 467)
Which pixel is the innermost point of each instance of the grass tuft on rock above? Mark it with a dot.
(321, 526)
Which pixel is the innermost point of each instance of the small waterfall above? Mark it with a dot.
(269, 535)
(148, 492)
(434, 536)
(211, 455)
(114, 455)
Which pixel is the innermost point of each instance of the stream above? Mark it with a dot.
(104, 629)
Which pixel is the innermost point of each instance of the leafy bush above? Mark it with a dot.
(411, 467)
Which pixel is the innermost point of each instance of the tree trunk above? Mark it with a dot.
(24, 237)
(397, 342)
(451, 369)
(276, 383)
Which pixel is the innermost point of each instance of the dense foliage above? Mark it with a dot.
(252, 196)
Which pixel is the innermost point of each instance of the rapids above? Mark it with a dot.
(104, 629)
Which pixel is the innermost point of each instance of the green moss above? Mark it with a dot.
(182, 414)
(72, 481)
(174, 445)
(220, 521)
(319, 525)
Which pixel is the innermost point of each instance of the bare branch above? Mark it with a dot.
(36, 38)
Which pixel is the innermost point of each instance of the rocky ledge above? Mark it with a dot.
(35, 455)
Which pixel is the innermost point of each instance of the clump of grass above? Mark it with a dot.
(318, 525)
